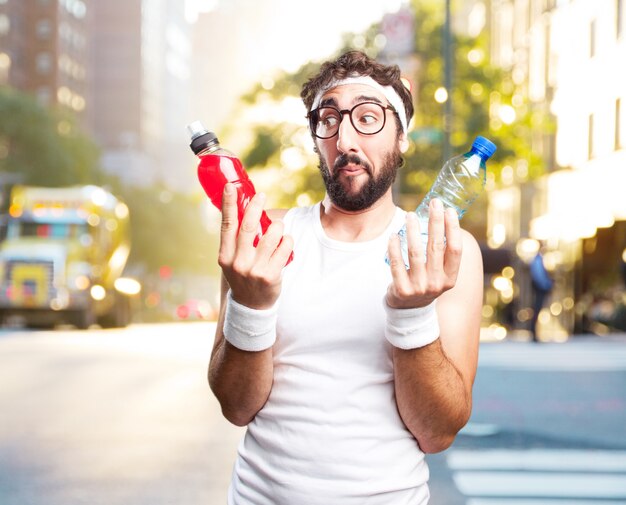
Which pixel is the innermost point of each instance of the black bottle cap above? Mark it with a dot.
(201, 138)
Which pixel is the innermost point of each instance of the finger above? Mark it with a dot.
(250, 223)
(270, 240)
(396, 262)
(454, 244)
(415, 247)
(436, 237)
(282, 252)
(230, 222)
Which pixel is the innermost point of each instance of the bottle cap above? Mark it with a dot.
(200, 136)
(484, 146)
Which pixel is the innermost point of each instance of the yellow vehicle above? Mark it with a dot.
(63, 257)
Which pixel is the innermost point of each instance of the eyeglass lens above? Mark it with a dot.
(367, 118)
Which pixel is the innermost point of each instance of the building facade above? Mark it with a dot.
(45, 50)
(122, 66)
(565, 56)
(141, 79)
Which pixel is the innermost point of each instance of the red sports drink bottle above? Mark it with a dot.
(217, 167)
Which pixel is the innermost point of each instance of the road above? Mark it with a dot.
(125, 417)
(115, 417)
(548, 428)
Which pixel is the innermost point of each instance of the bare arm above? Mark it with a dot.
(242, 380)
(433, 384)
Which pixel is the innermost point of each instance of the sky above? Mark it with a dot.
(292, 32)
(253, 39)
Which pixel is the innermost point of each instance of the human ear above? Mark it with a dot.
(403, 143)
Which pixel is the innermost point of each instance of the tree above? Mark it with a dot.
(44, 146)
(168, 228)
(485, 100)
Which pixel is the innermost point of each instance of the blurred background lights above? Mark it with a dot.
(508, 272)
(475, 57)
(476, 89)
(293, 159)
(98, 292)
(407, 83)
(498, 235)
(526, 249)
(441, 94)
(507, 114)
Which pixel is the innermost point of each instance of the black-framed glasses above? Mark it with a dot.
(367, 118)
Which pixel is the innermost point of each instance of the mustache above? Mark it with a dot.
(343, 160)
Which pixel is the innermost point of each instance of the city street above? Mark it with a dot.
(111, 417)
(548, 427)
(125, 417)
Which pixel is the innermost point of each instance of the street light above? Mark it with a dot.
(447, 117)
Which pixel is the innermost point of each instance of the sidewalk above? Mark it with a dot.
(580, 353)
(500, 335)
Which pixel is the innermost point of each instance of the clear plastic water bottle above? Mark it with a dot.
(460, 181)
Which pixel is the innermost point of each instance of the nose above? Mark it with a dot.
(346, 135)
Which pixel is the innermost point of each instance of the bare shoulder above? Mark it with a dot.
(469, 282)
(276, 214)
(471, 250)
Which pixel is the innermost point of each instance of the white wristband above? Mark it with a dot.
(411, 328)
(249, 329)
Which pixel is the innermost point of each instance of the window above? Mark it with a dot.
(44, 29)
(51, 230)
(5, 67)
(77, 8)
(590, 138)
(43, 63)
(592, 39)
(5, 24)
(44, 95)
(618, 124)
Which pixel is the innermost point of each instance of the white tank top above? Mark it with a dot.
(330, 432)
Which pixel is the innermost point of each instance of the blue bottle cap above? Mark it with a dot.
(484, 146)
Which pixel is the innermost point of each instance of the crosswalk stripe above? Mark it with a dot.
(533, 501)
(539, 460)
(526, 484)
(570, 356)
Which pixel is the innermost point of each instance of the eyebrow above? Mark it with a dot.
(357, 99)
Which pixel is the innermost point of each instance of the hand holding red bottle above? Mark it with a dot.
(216, 168)
(253, 273)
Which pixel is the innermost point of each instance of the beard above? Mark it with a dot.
(375, 187)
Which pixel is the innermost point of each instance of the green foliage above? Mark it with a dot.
(168, 228)
(479, 91)
(266, 143)
(45, 147)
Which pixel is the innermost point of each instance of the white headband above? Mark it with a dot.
(388, 91)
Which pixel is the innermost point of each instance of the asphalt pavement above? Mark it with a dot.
(125, 417)
(548, 428)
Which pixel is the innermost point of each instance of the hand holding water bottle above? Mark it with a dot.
(459, 183)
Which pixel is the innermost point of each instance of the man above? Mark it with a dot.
(346, 370)
(542, 285)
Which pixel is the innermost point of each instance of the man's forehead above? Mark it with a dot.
(351, 94)
(356, 100)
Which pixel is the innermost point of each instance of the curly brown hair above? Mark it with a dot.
(357, 63)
